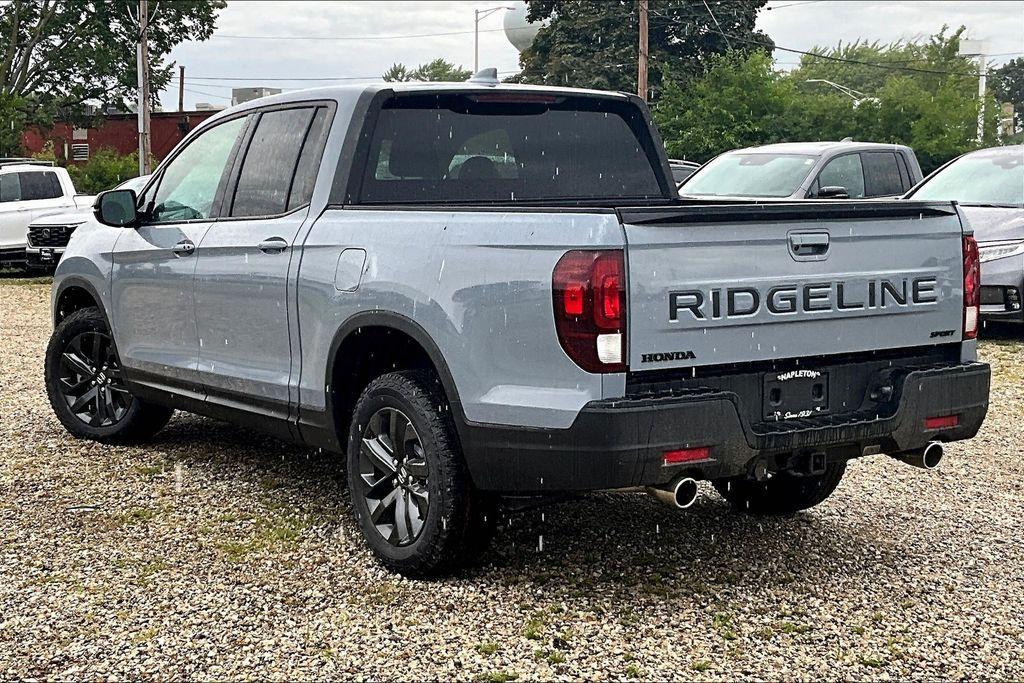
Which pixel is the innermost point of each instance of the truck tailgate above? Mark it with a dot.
(720, 284)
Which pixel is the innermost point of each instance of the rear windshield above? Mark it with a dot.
(749, 175)
(993, 177)
(508, 148)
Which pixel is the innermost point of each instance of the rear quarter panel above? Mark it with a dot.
(478, 282)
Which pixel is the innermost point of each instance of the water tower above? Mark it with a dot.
(518, 30)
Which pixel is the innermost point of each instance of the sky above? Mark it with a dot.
(299, 44)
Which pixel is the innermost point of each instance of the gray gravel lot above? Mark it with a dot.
(216, 553)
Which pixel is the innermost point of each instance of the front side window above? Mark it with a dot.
(508, 148)
(845, 171)
(881, 174)
(740, 174)
(189, 182)
(10, 187)
(29, 186)
(264, 182)
(992, 177)
(40, 185)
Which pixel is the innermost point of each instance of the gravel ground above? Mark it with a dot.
(216, 553)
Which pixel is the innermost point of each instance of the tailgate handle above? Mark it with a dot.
(809, 244)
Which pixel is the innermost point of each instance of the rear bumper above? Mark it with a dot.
(620, 443)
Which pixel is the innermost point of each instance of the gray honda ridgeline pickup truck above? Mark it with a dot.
(489, 294)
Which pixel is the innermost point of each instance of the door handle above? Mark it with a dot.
(184, 248)
(273, 245)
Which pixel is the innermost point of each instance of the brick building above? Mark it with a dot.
(116, 131)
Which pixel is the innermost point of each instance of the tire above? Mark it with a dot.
(783, 494)
(82, 369)
(413, 503)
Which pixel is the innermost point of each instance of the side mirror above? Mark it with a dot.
(116, 208)
(832, 192)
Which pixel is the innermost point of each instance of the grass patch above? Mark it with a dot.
(498, 676)
(549, 656)
(701, 665)
(487, 648)
(149, 470)
(872, 661)
(723, 624)
(534, 628)
(275, 534)
(633, 671)
(134, 517)
(790, 627)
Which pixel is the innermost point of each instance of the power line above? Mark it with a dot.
(363, 37)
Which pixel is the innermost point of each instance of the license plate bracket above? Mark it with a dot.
(46, 255)
(795, 394)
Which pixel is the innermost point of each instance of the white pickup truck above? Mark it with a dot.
(30, 189)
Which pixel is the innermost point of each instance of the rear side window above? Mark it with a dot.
(844, 171)
(31, 185)
(309, 161)
(264, 183)
(881, 174)
(508, 148)
(904, 172)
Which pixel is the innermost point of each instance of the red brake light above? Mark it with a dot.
(589, 290)
(972, 288)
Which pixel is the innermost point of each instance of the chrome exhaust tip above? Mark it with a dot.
(679, 494)
(927, 458)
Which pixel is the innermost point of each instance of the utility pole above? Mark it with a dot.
(181, 87)
(142, 54)
(641, 76)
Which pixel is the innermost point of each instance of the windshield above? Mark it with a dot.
(992, 177)
(750, 175)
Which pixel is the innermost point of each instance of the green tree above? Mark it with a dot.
(57, 55)
(436, 71)
(740, 101)
(593, 43)
(1008, 85)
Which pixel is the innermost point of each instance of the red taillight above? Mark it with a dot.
(589, 289)
(686, 455)
(972, 288)
(944, 422)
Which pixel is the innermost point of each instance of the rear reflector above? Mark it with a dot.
(686, 455)
(944, 422)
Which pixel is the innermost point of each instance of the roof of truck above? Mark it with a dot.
(817, 148)
(351, 92)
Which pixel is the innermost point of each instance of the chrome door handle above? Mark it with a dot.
(273, 245)
(184, 248)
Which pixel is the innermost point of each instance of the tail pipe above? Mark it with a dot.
(680, 493)
(927, 458)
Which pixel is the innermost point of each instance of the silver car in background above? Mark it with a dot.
(989, 186)
(806, 170)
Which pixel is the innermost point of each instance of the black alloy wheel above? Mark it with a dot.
(90, 380)
(393, 476)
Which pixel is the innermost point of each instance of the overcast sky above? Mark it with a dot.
(359, 40)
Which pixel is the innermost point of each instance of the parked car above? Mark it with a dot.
(681, 170)
(807, 170)
(312, 265)
(30, 189)
(47, 237)
(989, 186)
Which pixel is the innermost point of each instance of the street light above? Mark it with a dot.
(479, 14)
